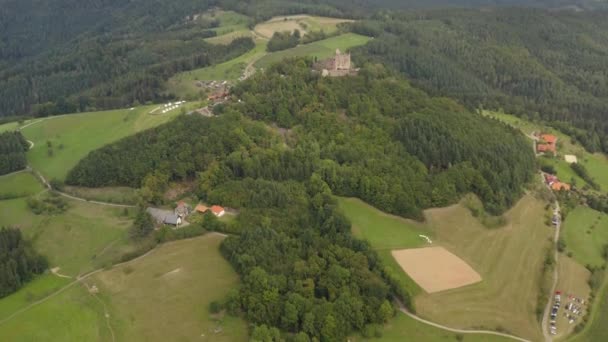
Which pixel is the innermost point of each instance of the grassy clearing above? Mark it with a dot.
(73, 136)
(320, 49)
(304, 23)
(184, 84)
(509, 259)
(10, 126)
(83, 238)
(165, 296)
(35, 290)
(404, 328)
(572, 280)
(227, 38)
(229, 21)
(72, 315)
(586, 233)
(383, 231)
(120, 195)
(19, 185)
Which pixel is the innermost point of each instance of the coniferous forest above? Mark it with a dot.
(19, 263)
(538, 64)
(12, 152)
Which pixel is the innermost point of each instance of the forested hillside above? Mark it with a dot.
(534, 63)
(12, 152)
(19, 263)
(371, 136)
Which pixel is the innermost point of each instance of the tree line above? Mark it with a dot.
(12, 152)
(19, 262)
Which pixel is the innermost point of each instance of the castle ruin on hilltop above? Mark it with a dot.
(337, 66)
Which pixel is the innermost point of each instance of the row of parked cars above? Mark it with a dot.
(572, 311)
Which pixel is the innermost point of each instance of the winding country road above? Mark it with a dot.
(458, 331)
(546, 334)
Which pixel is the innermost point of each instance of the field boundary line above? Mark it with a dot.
(459, 331)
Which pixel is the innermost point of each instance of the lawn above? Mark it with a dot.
(320, 49)
(20, 184)
(230, 21)
(404, 328)
(10, 126)
(85, 237)
(509, 259)
(35, 290)
(72, 315)
(585, 232)
(303, 23)
(165, 296)
(72, 137)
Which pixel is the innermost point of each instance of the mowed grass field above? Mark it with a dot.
(585, 232)
(36, 289)
(303, 23)
(19, 185)
(165, 296)
(73, 136)
(85, 237)
(320, 49)
(509, 259)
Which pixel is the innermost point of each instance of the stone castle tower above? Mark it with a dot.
(341, 61)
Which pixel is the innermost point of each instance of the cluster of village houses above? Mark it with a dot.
(547, 143)
(178, 216)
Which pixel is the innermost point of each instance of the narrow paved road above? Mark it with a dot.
(545, 325)
(458, 331)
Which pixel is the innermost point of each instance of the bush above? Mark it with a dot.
(215, 307)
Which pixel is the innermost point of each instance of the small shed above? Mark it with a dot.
(218, 211)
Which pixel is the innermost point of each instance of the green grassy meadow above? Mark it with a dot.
(404, 328)
(320, 49)
(36, 289)
(165, 296)
(303, 23)
(509, 259)
(72, 315)
(585, 232)
(20, 184)
(79, 240)
(73, 136)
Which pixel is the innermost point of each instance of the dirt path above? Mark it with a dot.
(545, 327)
(458, 331)
(48, 185)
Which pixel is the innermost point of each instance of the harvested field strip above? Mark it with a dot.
(435, 269)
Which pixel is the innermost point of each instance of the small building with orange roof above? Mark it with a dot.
(548, 144)
(557, 186)
(201, 208)
(218, 211)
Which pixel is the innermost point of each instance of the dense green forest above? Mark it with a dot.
(533, 63)
(372, 136)
(19, 263)
(12, 152)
